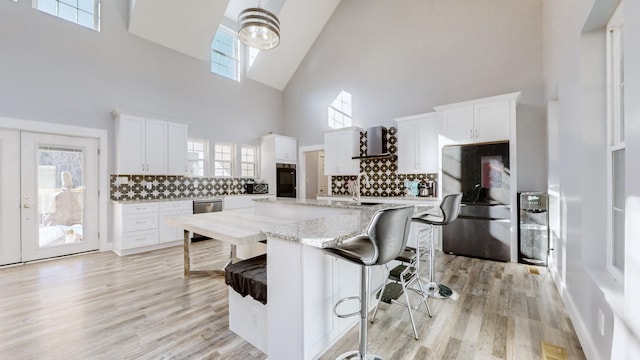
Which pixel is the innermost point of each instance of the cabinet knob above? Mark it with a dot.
(471, 133)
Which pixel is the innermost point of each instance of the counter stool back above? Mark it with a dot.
(384, 239)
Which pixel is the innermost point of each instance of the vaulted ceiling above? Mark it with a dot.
(188, 26)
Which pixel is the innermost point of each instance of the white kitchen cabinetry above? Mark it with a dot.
(166, 232)
(339, 148)
(304, 320)
(136, 226)
(275, 149)
(422, 234)
(286, 149)
(140, 227)
(283, 149)
(418, 143)
(177, 149)
(481, 120)
(150, 146)
(141, 145)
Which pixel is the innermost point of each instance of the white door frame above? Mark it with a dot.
(10, 215)
(103, 174)
(302, 171)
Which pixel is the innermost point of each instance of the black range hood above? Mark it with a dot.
(376, 144)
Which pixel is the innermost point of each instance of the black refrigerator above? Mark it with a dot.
(481, 173)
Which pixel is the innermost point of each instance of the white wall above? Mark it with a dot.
(401, 58)
(629, 327)
(574, 45)
(56, 71)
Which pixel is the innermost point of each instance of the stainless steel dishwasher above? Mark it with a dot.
(205, 206)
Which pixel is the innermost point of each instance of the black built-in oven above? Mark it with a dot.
(286, 180)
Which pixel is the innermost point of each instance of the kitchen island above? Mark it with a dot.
(303, 282)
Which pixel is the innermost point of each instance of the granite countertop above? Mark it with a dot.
(386, 198)
(186, 199)
(342, 203)
(328, 230)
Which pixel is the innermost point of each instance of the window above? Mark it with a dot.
(248, 161)
(616, 145)
(224, 54)
(223, 159)
(81, 12)
(253, 54)
(197, 156)
(340, 111)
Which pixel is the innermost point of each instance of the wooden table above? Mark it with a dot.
(235, 227)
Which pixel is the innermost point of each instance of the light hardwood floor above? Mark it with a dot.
(101, 306)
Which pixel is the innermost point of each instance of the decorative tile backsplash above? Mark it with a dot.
(383, 177)
(383, 173)
(161, 187)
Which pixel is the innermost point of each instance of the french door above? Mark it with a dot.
(56, 180)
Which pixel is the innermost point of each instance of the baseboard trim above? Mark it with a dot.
(588, 346)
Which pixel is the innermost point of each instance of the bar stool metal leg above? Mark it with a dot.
(435, 290)
(361, 353)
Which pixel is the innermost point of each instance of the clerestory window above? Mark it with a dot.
(81, 12)
(225, 54)
(339, 112)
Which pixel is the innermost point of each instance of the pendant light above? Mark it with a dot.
(258, 28)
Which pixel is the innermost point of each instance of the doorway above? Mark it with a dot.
(49, 186)
(316, 182)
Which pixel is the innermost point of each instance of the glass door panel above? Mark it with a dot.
(60, 195)
(59, 185)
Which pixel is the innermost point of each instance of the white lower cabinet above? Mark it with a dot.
(141, 227)
(304, 285)
(169, 233)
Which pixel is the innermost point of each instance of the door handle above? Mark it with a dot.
(26, 206)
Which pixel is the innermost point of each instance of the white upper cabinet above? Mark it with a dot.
(286, 149)
(130, 138)
(177, 149)
(150, 146)
(155, 145)
(418, 143)
(481, 120)
(492, 121)
(458, 124)
(339, 148)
